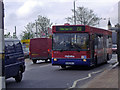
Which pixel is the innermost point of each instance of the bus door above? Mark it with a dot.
(105, 47)
(92, 46)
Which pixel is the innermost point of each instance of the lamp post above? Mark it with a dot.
(74, 13)
(2, 53)
(36, 29)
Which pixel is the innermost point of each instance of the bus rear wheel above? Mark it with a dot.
(95, 62)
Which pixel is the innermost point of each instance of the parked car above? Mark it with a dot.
(14, 59)
(25, 44)
(114, 48)
(40, 49)
(25, 51)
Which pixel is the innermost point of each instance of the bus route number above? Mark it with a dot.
(79, 29)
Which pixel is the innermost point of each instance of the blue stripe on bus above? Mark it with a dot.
(71, 61)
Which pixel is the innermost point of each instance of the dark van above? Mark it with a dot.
(40, 49)
(14, 59)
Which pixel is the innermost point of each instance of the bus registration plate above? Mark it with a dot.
(69, 63)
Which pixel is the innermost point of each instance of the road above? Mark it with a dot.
(44, 75)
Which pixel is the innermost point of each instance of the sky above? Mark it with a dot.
(20, 12)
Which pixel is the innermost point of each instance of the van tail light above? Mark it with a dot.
(48, 50)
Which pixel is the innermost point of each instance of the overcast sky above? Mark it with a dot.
(20, 12)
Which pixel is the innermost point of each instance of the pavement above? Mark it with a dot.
(107, 79)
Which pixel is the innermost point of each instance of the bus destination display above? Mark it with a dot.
(70, 28)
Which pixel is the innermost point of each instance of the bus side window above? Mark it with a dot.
(96, 42)
(110, 42)
(100, 41)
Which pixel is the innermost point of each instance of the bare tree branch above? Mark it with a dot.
(84, 16)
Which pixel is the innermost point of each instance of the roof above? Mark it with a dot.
(109, 23)
(11, 39)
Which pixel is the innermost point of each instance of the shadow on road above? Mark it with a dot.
(83, 68)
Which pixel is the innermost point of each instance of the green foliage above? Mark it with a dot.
(7, 35)
(43, 23)
(37, 29)
(27, 35)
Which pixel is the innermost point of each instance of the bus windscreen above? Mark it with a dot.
(70, 42)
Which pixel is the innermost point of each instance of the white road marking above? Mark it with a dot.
(89, 76)
(28, 68)
(113, 66)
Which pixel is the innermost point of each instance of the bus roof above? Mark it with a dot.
(84, 28)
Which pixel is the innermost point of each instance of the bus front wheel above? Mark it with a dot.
(63, 67)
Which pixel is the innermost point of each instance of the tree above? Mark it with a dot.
(7, 35)
(40, 28)
(43, 24)
(28, 33)
(84, 16)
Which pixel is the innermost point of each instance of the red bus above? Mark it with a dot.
(74, 45)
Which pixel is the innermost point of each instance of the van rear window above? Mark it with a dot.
(16, 42)
(9, 46)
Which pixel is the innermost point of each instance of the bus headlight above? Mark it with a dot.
(55, 59)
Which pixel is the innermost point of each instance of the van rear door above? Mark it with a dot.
(10, 59)
(39, 48)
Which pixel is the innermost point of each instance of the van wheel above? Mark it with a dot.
(19, 76)
(49, 59)
(108, 57)
(46, 60)
(34, 61)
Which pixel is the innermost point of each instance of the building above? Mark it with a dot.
(119, 12)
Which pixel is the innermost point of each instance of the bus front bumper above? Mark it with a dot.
(71, 62)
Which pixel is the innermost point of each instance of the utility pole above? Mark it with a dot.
(2, 47)
(14, 33)
(118, 34)
(74, 14)
(15, 30)
(36, 29)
